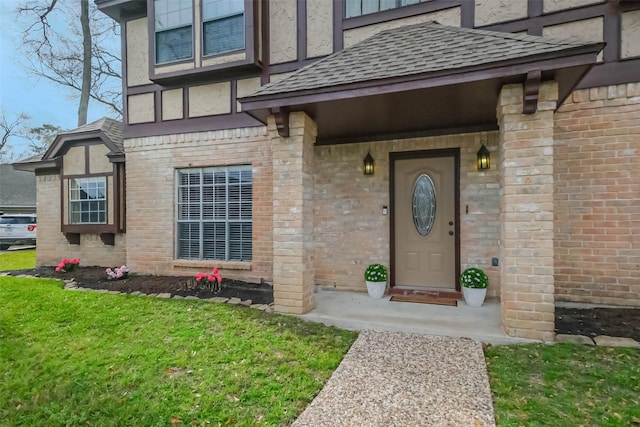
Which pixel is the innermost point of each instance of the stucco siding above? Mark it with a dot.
(137, 52)
(555, 5)
(630, 38)
(211, 99)
(283, 43)
(492, 11)
(445, 17)
(319, 28)
(98, 160)
(172, 104)
(141, 108)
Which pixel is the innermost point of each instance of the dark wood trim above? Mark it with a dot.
(185, 103)
(157, 106)
(398, 13)
(338, 18)
(251, 60)
(612, 73)
(534, 8)
(611, 34)
(444, 152)
(196, 124)
(87, 170)
(234, 95)
(531, 91)
(88, 228)
(108, 239)
(423, 81)
(266, 44)
(301, 29)
(287, 67)
(407, 135)
(125, 74)
(72, 238)
(281, 116)
(467, 14)
(137, 90)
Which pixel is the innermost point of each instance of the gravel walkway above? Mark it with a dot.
(398, 379)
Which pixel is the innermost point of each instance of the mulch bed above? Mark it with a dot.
(591, 322)
(96, 278)
(615, 322)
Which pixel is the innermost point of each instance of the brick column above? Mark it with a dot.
(293, 263)
(526, 213)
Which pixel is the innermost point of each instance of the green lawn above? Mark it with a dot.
(18, 260)
(565, 385)
(86, 358)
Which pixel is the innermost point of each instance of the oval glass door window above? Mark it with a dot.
(424, 205)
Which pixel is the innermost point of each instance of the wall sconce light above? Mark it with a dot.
(484, 158)
(368, 164)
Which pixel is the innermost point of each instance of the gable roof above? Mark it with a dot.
(422, 79)
(110, 127)
(106, 130)
(421, 49)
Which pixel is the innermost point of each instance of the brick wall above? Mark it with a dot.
(597, 196)
(526, 141)
(52, 246)
(151, 165)
(350, 230)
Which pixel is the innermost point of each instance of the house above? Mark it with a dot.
(17, 191)
(248, 124)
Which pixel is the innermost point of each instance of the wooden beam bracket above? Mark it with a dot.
(282, 120)
(531, 92)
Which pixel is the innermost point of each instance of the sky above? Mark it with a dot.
(44, 101)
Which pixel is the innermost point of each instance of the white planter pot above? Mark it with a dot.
(474, 297)
(376, 289)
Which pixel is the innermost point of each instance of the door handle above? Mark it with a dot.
(450, 222)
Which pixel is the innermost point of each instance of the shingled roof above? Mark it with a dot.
(111, 128)
(418, 50)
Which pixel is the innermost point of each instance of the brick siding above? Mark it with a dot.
(597, 196)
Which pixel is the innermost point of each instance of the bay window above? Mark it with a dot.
(88, 200)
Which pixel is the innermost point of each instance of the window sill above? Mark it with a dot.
(222, 265)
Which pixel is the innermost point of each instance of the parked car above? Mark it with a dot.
(17, 229)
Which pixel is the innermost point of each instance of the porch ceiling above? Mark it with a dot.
(423, 79)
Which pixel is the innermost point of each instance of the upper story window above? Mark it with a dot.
(174, 30)
(363, 7)
(222, 26)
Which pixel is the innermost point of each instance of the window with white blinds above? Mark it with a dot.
(214, 212)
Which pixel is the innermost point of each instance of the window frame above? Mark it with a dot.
(201, 221)
(398, 5)
(104, 199)
(204, 21)
(156, 32)
(170, 72)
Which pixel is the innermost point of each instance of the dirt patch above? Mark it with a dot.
(613, 322)
(96, 278)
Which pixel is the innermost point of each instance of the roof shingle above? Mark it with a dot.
(417, 49)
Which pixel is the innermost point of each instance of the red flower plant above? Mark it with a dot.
(67, 265)
(210, 280)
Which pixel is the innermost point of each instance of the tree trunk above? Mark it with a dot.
(86, 63)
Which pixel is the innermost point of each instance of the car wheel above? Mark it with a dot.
(4, 247)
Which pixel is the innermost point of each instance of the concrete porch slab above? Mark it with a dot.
(358, 311)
